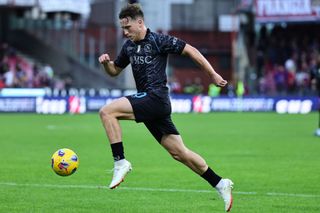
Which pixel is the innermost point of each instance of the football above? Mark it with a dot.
(64, 162)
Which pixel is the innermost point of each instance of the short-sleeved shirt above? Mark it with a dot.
(148, 58)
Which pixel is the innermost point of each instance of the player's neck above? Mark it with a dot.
(143, 33)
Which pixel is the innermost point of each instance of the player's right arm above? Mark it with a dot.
(109, 65)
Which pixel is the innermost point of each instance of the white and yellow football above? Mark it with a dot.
(64, 162)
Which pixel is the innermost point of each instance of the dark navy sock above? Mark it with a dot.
(117, 151)
(211, 177)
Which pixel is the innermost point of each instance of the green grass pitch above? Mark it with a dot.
(274, 161)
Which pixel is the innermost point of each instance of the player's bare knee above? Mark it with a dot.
(102, 112)
(105, 113)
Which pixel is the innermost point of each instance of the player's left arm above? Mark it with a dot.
(204, 64)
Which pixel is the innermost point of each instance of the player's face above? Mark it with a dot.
(132, 28)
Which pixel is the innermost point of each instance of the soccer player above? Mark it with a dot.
(147, 53)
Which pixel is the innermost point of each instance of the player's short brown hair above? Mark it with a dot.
(131, 10)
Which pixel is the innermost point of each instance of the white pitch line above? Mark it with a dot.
(277, 194)
(291, 194)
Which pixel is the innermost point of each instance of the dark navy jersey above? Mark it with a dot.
(148, 59)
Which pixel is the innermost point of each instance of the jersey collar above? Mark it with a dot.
(145, 38)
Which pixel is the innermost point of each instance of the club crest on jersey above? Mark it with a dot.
(147, 48)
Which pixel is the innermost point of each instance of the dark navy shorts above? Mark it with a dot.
(155, 112)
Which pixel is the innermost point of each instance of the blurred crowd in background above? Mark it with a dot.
(19, 71)
(287, 62)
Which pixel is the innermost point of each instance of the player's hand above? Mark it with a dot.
(104, 59)
(218, 80)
